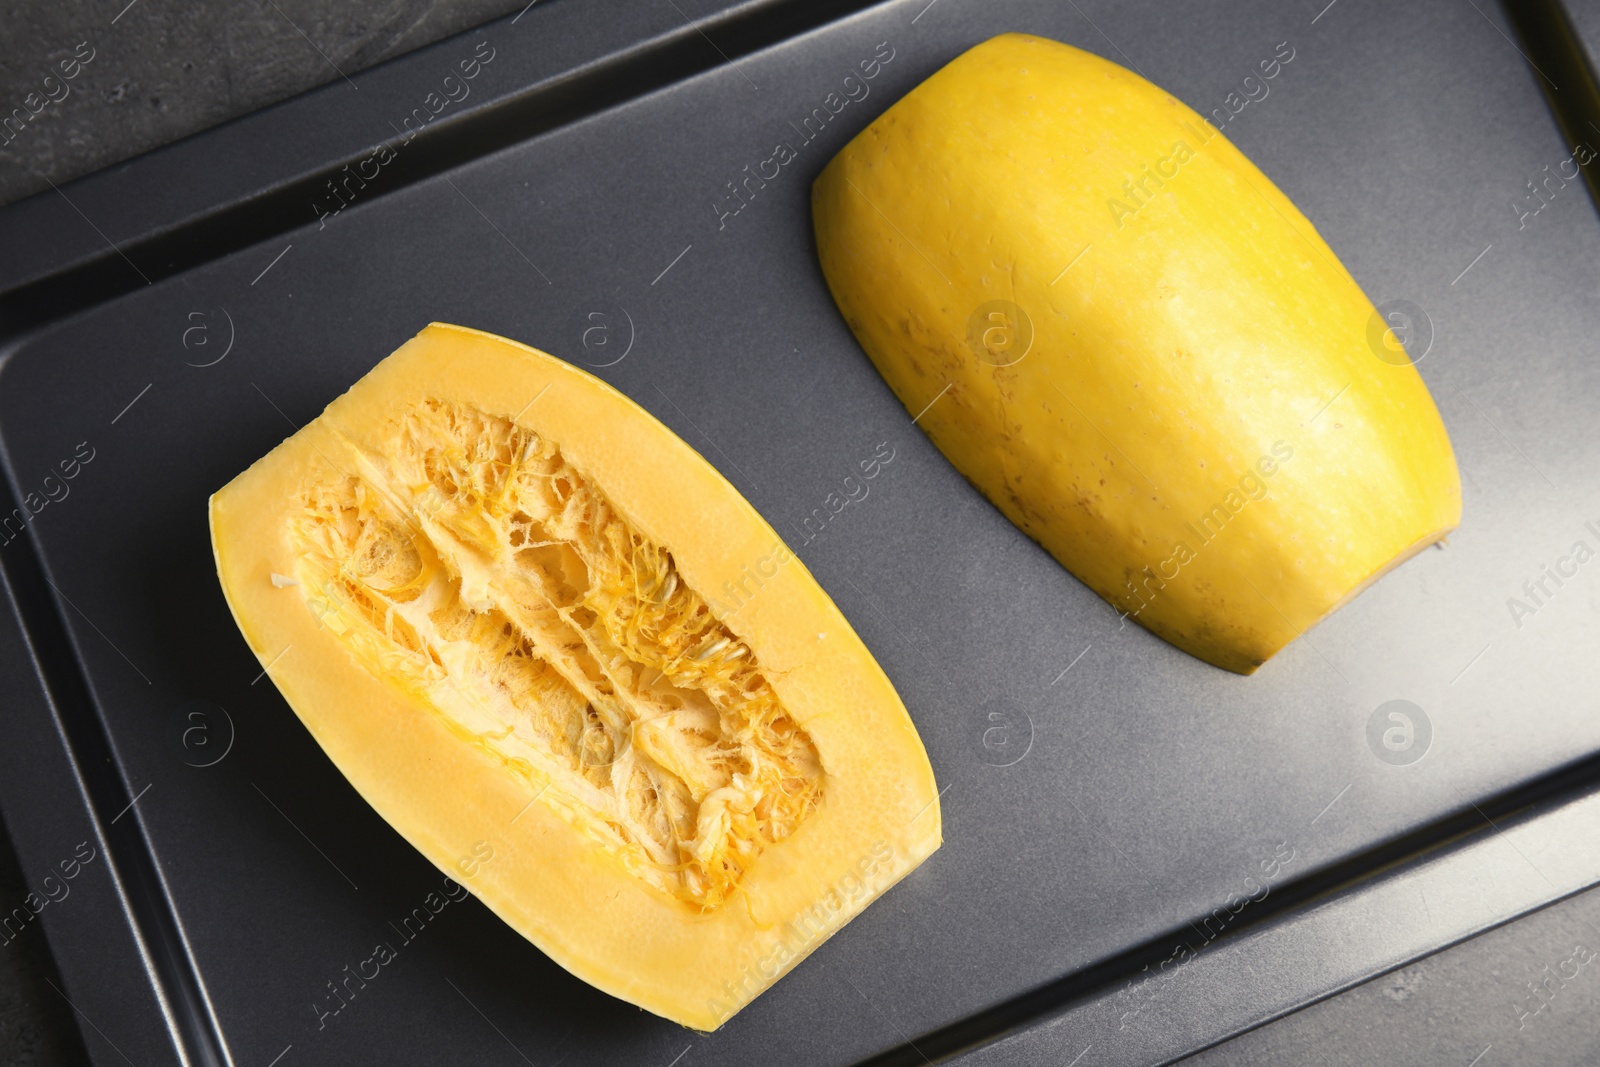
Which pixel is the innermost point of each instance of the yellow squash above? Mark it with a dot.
(565, 659)
(1134, 345)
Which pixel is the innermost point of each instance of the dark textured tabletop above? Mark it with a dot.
(153, 71)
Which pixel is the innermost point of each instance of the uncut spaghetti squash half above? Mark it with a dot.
(1129, 340)
(529, 623)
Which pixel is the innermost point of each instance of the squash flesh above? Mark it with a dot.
(679, 841)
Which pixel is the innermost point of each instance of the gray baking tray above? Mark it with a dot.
(181, 315)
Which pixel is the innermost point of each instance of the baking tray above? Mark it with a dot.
(185, 312)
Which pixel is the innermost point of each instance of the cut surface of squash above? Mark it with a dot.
(526, 620)
(1128, 339)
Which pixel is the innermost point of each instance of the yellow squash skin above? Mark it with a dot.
(497, 826)
(1200, 427)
